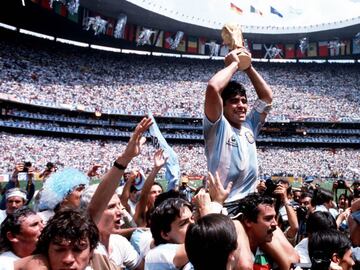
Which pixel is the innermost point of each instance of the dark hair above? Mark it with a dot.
(209, 242)
(166, 195)
(158, 184)
(320, 221)
(68, 224)
(248, 206)
(133, 188)
(321, 196)
(323, 244)
(163, 215)
(12, 224)
(232, 89)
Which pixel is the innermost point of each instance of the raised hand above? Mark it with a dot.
(136, 141)
(159, 159)
(216, 189)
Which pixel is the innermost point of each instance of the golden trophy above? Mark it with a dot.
(233, 38)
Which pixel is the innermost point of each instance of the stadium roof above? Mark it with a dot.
(153, 14)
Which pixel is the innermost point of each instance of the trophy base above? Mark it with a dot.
(245, 61)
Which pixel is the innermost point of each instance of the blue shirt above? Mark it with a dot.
(232, 152)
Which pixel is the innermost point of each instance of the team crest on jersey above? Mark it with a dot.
(232, 141)
(249, 137)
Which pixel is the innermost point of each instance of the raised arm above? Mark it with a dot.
(110, 180)
(213, 101)
(141, 207)
(262, 89)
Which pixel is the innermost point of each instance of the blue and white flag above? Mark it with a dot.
(172, 167)
(276, 12)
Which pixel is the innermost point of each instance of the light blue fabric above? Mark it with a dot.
(232, 152)
(172, 167)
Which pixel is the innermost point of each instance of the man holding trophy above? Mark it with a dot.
(230, 132)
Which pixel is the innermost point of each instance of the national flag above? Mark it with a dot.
(172, 167)
(312, 49)
(202, 42)
(257, 50)
(182, 45)
(345, 47)
(356, 46)
(280, 54)
(60, 9)
(110, 27)
(255, 10)
(167, 36)
(192, 45)
(129, 32)
(159, 39)
(45, 4)
(275, 11)
(323, 48)
(236, 9)
(289, 51)
(74, 17)
(299, 53)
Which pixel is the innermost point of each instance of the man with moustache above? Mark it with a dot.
(257, 215)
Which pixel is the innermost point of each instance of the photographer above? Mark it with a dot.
(286, 215)
(23, 171)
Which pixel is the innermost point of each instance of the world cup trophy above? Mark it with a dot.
(233, 38)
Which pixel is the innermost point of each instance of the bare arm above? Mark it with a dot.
(280, 250)
(110, 180)
(243, 249)
(124, 197)
(262, 89)
(141, 207)
(213, 101)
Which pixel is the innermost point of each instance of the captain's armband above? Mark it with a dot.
(262, 107)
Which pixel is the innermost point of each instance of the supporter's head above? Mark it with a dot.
(330, 246)
(169, 221)
(323, 197)
(343, 201)
(20, 232)
(212, 237)
(155, 190)
(134, 194)
(320, 221)
(234, 103)
(296, 195)
(63, 188)
(111, 219)
(257, 214)
(68, 240)
(305, 201)
(15, 198)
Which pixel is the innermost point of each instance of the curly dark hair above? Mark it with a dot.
(248, 206)
(232, 89)
(73, 225)
(12, 224)
(163, 215)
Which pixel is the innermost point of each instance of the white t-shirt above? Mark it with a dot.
(2, 215)
(7, 260)
(123, 254)
(302, 250)
(161, 257)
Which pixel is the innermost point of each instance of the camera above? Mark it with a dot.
(301, 212)
(341, 184)
(270, 187)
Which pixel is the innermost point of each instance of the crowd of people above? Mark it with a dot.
(59, 76)
(233, 220)
(65, 152)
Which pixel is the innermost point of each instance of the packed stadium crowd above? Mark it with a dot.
(65, 152)
(246, 221)
(56, 76)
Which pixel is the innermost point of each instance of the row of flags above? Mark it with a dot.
(204, 46)
(255, 10)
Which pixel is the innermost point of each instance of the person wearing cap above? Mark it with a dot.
(15, 198)
(62, 189)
